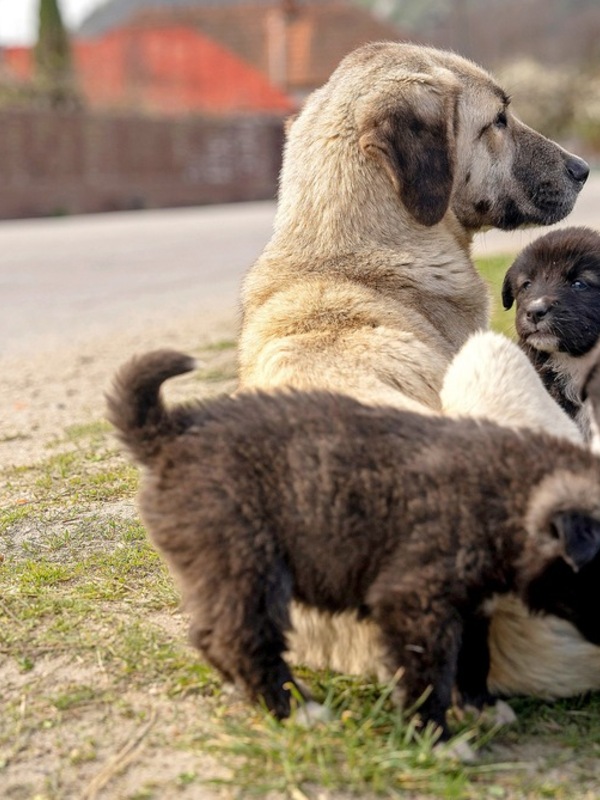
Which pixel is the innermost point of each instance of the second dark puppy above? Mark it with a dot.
(412, 520)
(555, 282)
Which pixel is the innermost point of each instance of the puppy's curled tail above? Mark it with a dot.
(135, 405)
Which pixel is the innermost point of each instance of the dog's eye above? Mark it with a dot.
(579, 285)
(501, 120)
(525, 285)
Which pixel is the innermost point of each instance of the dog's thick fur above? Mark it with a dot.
(409, 519)
(367, 286)
(555, 282)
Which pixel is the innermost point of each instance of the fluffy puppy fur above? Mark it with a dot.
(555, 283)
(491, 378)
(410, 520)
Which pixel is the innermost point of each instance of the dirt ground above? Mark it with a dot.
(61, 382)
(53, 386)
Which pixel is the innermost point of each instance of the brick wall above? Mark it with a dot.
(73, 162)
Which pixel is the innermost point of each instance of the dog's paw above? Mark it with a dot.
(310, 714)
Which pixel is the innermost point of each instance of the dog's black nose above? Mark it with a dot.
(538, 309)
(578, 169)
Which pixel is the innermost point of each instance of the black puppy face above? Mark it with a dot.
(555, 282)
(569, 587)
(571, 596)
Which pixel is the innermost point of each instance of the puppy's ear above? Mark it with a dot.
(579, 535)
(414, 142)
(508, 297)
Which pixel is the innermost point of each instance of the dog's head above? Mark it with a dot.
(555, 283)
(441, 132)
(561, 568)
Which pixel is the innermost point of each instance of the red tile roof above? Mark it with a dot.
(171, 69)
(298, 49)
(251, 56)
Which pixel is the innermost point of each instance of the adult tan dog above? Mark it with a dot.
(367, 285)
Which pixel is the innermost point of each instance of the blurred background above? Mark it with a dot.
(130, 104)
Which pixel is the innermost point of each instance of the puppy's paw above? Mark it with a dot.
(502, 713)
(310, 714)
(491, 715)
(456, 751)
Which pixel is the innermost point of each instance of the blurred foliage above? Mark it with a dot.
(412, 14)
(562, 101)
(53, 49)
(420, 15)
(493, 269)
(54, 78)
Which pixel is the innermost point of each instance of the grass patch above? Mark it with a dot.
(216, 375)
(493, 269)
(228, 345)
(367, 748)
(93, 430)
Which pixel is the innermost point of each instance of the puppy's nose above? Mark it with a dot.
(578, 169)
(538, 309)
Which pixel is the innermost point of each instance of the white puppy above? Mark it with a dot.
(492, 378)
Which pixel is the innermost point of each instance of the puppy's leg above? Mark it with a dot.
(472, 674)
(474, 664)
(422, 635)
(426, 642)
(243, 636)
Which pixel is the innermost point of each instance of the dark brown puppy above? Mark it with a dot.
(555, 282)
(412, 520)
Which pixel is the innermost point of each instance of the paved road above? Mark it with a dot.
(79, 274)
(67, 277)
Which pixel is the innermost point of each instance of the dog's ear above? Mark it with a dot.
(414, 141)
(508, 297)
(579, 535)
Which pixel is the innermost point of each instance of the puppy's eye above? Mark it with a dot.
(501, 120)
(579, 285)
(524, 286)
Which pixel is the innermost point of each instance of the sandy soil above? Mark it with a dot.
(60, 383)
(53, 386)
